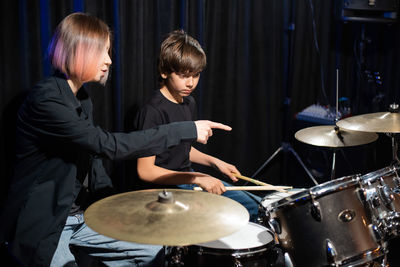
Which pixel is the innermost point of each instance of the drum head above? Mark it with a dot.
(251, 236)
(276, 196)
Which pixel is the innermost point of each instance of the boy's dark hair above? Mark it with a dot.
(180, 53)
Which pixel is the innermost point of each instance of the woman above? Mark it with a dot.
(58, 170)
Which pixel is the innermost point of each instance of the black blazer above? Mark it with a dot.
(57, 147)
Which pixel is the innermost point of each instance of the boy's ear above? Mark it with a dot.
(164, 75)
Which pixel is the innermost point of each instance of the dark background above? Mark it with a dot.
(267, 60)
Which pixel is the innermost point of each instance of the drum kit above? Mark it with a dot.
(347, 221)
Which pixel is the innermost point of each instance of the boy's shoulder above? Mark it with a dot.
(155, 100)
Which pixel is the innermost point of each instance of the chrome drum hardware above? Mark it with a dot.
(326, 225)
(381, 194)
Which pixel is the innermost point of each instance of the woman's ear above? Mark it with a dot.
(164, 75)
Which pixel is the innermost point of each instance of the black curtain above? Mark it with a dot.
(255, 80)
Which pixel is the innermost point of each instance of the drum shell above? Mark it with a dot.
(218, 253)
(204, 257)
(305, 237)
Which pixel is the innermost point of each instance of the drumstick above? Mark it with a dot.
(254, 181)
(252, 188)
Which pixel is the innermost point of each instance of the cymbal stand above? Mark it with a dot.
(339, 135)
(289, 23)
(337, 131)
(333, 170)
(395, 158)
(394, 108)
(286, 147)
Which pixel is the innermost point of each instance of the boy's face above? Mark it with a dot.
(182, 84)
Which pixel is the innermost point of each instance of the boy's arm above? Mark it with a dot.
(152, 173)
(201, 158)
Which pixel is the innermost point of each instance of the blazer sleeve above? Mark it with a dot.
(54, 121)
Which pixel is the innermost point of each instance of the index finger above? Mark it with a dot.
(221, 126)
(232, 176)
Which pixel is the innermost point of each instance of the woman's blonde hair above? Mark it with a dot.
(77, 45)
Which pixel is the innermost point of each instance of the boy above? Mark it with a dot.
(181, 61)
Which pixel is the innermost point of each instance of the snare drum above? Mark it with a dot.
(381, 191)
(249, 246)
(326, 225)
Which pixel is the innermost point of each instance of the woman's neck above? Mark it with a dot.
(75, 85)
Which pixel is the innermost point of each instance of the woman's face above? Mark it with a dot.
(104, 65)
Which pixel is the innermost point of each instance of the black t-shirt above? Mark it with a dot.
(159, 110)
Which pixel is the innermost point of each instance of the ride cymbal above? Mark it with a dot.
(329, 136)
(380, 122)
(172, 217)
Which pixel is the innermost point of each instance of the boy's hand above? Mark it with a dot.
(204, 129)
(209, 183)
(225, 168)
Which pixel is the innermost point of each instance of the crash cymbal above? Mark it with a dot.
(173, 217)
(380, 122)
(328, 136)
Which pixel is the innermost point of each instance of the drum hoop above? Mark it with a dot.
(372, 176)
(236, 253)
(365, 257)
(317, 191)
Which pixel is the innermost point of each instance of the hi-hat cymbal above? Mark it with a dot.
(328, 136)
(171, 217)
(380, 122)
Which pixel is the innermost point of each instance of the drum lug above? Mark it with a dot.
(392, 224)
(396, 191)
(316, 211)
(331, 252)
(263, 215)
(200, 251)
(237, 263)
(175, 256)
(375, 201)
(396, 181)
(370, 196)
(288, 260)
(362, 194)
(315, 208)
(386, 194)
(375, 232)
(275, 225)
